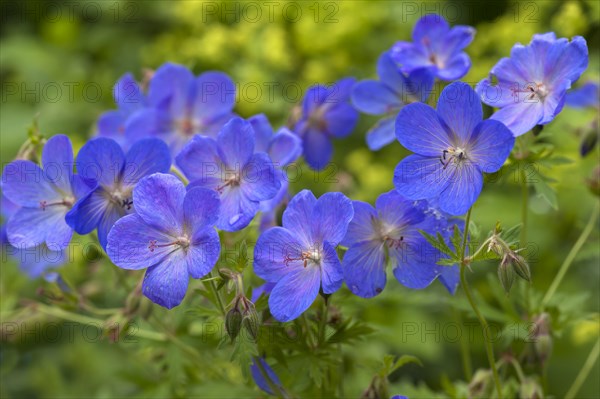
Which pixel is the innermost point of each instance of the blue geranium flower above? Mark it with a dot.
(436, 47)
(230, 166)
(300, 257)
(262, 381)
(181, 106)
(34, 262)
(326, 113)
(44, 196)
(388, 95)
(116, 175)
(586, 96)
(452, 147)
(390, 230)
(532, 83)
(171, 234)
(283, 147)
(129, 97)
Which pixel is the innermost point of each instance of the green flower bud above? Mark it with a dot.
(233, 322)
(593, 182)
(251, 321)
(530, 389)
(481, 384)
(543, 340)
(506, 274)
(520, 266)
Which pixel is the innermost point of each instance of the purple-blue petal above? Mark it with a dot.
(317, 148)
(331, 216)
(464, 187)
(297, 216)
(235, 143)
(460, 108)
(364, 268)
(382, 134)
(332, 274)
(374, 97)
(284, 148)
(273, 254)
(491, 145)
(101, 159)
(418, 177)
(128, 244)
(214, 95)
(57, 161)
(158, 199)
(166, 283)
(146, 157)
(362, 226)
(201, 208)
(294, 293)
(419, 129)
(204, 252)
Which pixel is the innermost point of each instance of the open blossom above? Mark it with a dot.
(181, 105)
(283, 147)
(300, 257)
(44, 196)
(129, 98)
(388, 95)
(529, 88)
(171, 235)
(453, 147)
(326, 114)
(390, 230)
(230, 166)
(34, 262)
(437, 47)
(116, 174)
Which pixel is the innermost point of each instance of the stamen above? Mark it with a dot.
(233, 181)
(452, 154)
(183, 242)
(305, 256)
(392, 242)
(68, 202)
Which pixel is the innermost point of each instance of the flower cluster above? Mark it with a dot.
(174, 163)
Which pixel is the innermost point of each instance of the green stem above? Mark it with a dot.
(77, 318)
(465, 353)
(323, 322)
(484, 326)
(584, 372)
(524, 207)
(482, 321)
(571, 256)
(180, 175)
(217, 295)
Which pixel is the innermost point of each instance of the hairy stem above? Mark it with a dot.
(571, 256)
(584, 372)
(482, 321)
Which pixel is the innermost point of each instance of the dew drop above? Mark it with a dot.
(235, 218)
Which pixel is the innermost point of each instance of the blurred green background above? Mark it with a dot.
(59, 61)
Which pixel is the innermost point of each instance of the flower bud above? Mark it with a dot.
(233, 322)
(251, 321)
(480, 385)
(590, 139)
(543, 339)
(593, 182)
(520, 266)
(506, 274)
(530, 389)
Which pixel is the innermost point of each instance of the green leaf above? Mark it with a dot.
(438, 243)
(404, 359)
(350, 331)
(546, 192)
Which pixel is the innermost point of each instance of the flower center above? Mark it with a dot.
(310, 255)
(233, 181)
(122, 198)
(66, 201)
(453, 154)
(187, 126)
(532, 91)
(393, 243)
(181, 242)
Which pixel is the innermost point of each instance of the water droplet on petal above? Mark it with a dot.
(235, 218)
